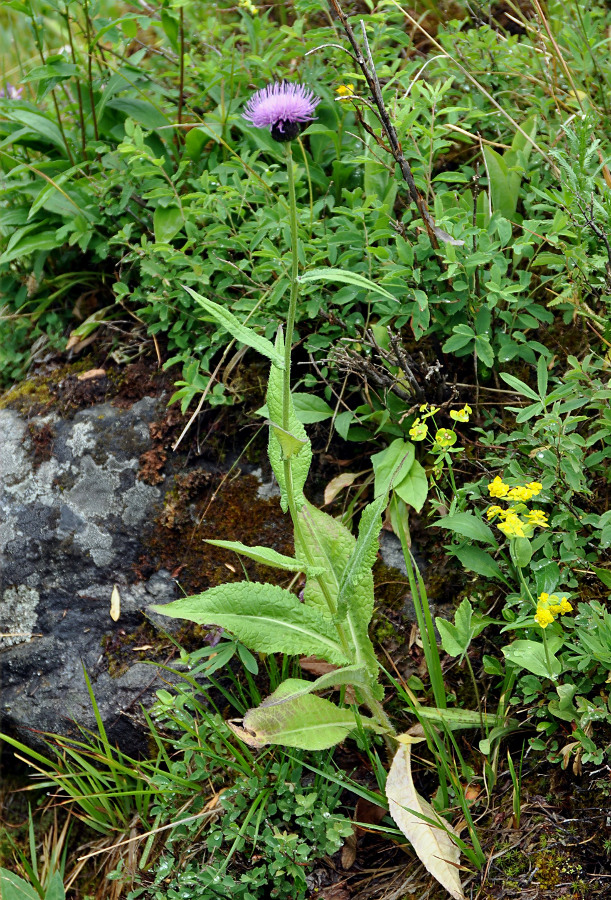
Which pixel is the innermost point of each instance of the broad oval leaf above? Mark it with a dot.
(292, 718)
(469, 526)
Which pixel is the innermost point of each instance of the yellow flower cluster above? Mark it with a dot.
(502, 491)
(249, 7)
(549, 606)
(345, 91)
(511, 523)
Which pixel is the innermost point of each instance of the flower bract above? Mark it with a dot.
(283, 108)
(461, 415)
(418, 431)
(445, 437)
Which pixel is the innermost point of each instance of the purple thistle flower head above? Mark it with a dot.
(282, 107)
(11, 92)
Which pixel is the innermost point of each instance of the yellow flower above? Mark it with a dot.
(498, 488)
(543, 617)
(565, 606)
(418, 431)
(345, 91)
(461, 415)
(534, 487)
(493, 511)
(248, 6)
(512, 526)
(543, 597)
(445, 438)
(538, 518)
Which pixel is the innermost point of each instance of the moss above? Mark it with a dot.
(205, 505)
(38, 394)
(121, 648)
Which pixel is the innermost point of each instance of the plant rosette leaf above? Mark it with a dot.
(294, 717)
(431, 836)
(267, 618)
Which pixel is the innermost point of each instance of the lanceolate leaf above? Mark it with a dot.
(332, 546)
(295, 719)
(430, 836)
(363, 556)
(299, 459)
(264, 555)
(267, 618)
(344, 276)
(239, 331)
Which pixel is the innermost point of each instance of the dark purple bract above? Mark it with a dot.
(283, 108)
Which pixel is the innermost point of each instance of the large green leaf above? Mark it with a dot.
(240, 332)
(413, 488)
(531, 655)
(295, 719)
(477, 560)
(397, 458)
(267, 618)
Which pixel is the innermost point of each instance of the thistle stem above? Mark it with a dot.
(375, 707)
(290, 320)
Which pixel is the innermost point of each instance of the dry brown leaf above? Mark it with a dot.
(90, 373)
(115, 604)
(337, 484)
(247, 736)
(316, 666)
(349, 851)
(434, 846)
(319, 667)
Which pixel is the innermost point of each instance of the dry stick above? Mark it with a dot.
(368, 70)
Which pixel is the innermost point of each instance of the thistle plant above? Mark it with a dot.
(338, 599)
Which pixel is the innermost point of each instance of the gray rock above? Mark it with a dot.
(71, 528)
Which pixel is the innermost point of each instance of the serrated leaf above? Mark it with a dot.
(430, 835)
(330, 546)
(290, 444)
(267, 618)
(237, 330)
